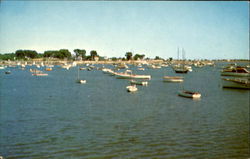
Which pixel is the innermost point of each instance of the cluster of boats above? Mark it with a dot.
(134, 81)
(236, 77)
(141, 79)
(233, 76)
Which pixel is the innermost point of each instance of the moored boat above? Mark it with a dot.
(7, 72)
(48, 69)
(129, 75)
(81, 81)
(181, 70)
(40, 74)
(131, 88)
(143, 83)
(189, 94)
(236, 71)
(240, 83)
(173, 79)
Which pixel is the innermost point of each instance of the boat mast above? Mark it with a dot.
(178, 53)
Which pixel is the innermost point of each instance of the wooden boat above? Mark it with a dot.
(189, 94)
(143, 83)
(240, 83)
(236, 71)
(131, 88)
(173, 79)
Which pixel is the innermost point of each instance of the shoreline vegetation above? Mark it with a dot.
(64, 56)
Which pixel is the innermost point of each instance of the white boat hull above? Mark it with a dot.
(143, 83)
(131, 89)
(128, 76)
(172, 79)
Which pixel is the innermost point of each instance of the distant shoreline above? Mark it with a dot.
(58, 61)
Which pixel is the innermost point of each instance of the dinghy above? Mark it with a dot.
(189, 94)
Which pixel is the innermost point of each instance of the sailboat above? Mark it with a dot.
(180, 68)
(78, 80)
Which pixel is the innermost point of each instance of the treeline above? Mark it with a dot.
(60, 54)
(79, 54)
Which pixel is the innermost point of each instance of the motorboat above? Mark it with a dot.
(173, 79)
(128, 75)
(240, 83)
(189, 94)
(236, 71)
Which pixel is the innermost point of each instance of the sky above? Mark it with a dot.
(205, 30)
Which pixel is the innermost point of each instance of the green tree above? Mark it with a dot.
(138, 56)
(7, 56)
(129, 55)
(26, 53)
(81, 53)
(114, 59)
(157, 58)
(93, 53)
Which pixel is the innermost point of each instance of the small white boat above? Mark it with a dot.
(143, 83)
(173, 79)
(131, 88)
(141, 69)
(39, 74)
(81, 81)
(189, 94)
(78, 78)
(240, 83)
(2, 67)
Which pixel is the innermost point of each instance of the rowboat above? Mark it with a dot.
(240, 83)
(131, 88)
(173, 79)
(189, 94)
(143, 83)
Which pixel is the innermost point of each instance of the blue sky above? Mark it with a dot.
(206, 30)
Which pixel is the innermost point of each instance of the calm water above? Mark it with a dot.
(54, 117)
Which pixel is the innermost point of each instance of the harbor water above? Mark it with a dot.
(55, 117)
